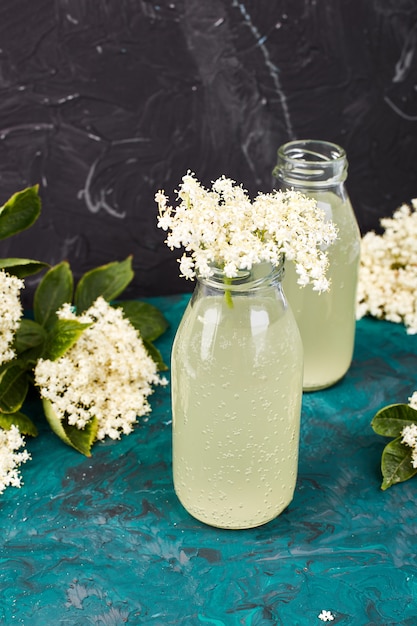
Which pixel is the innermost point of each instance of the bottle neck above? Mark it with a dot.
(311, 164)
(259, 277)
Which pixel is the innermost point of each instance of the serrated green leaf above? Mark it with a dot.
(22, 421)
(29, 335)
(396, 465)
(14, 386)
(54, 290)
(145, 317)
(81, 440)
(21, 267)
(62, 337)
(155, 355)
(19, 212)
(390, 420)
(108, 281)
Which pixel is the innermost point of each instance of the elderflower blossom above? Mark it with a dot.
(10, 313)
(106, 374)
(326, 616)
(223, 227)
(388, 272)
(409, 433)
(10, 459)
(409, 438)
(412, 400)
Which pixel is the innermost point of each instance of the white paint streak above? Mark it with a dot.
(273, 70)
(101, 203)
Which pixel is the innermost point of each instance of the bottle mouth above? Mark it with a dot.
(247, 278)
(312, 162)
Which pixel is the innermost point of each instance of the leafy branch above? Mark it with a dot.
(396, 460)
(47, 336)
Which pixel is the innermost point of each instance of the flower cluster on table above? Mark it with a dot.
(388, 290)
(388, 272)
(90, 356)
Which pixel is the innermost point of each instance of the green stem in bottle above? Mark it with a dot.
(228, 293)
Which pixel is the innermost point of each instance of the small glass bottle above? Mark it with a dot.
(237, 369)
(326, 321)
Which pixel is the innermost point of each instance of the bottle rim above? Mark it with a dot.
(315, 151)
(311, 161)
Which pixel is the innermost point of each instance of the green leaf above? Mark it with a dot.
(13, 387)
(29, 335)
(155, 355)
(81, 440)
(22, 421)
(396, 463)
(62, 337)
(54, 290)
(108, 281)
(390, 420)
(19, 212)
(21, 267)
(145, 317)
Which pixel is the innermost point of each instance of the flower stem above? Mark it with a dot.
(228, 293)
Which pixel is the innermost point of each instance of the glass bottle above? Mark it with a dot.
(326, 321)
(237, 370)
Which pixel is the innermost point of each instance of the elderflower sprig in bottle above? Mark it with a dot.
(223, 228)
(237, 358)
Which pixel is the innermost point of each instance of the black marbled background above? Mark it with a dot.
(104, 102)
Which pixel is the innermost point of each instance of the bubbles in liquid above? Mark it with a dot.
(230, 459)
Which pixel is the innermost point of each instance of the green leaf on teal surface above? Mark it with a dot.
(29, 335)
(21, 267)
(22, 421)
(145, 317)
(396, 465)
(62, 337)
(19, 212)
(390, 421)
(155, 355)
(14, 386)
(81, 440)
(54, 290)
(108, 281)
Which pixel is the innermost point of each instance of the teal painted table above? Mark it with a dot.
(104, 540)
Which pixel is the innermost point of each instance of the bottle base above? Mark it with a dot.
(310, 387)
(230, 524)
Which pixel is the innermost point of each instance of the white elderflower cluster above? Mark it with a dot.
(107, 374)
(388, 273)
(10, 313)
(409, 437)
(222, 227)
(10, 459)
(326, 616)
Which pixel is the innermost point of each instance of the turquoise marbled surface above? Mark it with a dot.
(104, 540)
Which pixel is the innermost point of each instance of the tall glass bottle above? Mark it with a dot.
(236, 400)
(326, 321)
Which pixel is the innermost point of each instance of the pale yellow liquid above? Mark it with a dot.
(236, 391)
(327, 321)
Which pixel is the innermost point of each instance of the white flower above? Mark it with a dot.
(10, 313)
(107, 374)
(10, 460)
(412, 400)
(388, 272)
(223, 227)
(326, 616)
(409, 438)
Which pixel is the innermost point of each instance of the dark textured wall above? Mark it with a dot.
(104, 101)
